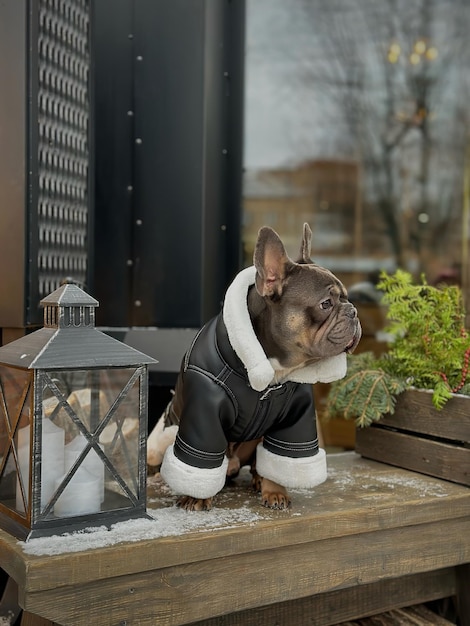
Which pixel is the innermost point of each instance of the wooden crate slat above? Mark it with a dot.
(415, 412)
(412, 452)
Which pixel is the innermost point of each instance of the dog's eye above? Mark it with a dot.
(326, 304)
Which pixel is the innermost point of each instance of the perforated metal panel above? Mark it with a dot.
(63, 102)
(45, 130)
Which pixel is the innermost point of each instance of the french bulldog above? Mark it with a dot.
(244, 392)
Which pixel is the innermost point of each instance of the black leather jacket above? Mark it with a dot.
(216, 405)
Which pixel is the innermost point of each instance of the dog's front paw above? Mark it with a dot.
(194, 504)
(274, 496)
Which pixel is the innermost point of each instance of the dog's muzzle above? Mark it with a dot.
(357, 331)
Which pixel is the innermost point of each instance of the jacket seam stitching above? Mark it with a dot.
(191, 347)
(217, 381)
(198, 452)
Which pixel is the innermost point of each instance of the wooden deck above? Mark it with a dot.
(370, 539)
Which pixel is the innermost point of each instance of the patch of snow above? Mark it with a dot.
(420, 484)
(164, 523)
(423, 486)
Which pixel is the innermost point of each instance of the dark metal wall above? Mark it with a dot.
(121, 160)
(45, 130)
(168, 110)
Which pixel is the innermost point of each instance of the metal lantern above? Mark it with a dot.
(73, 423)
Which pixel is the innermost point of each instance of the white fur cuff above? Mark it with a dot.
(187, 480)
(296, 473)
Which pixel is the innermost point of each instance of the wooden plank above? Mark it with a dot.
(359, 496)
(415, 453)
(346, 604)
(12, 560)
(185, 593)
(427, 616)
(410, 616)
(415, 412)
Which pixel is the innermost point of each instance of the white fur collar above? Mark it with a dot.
(247, 347)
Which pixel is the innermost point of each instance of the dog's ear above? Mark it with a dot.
(306, 245)
(271, 262)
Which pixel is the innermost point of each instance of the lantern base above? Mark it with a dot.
(48, 528)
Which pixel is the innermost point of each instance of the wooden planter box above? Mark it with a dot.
(420, 438)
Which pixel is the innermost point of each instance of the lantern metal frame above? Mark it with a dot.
(70, 345)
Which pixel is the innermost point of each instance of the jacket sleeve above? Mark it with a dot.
(196, 464)
(289, 454)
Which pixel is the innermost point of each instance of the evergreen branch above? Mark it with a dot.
(430, 350)
(356, 391)
(361, 420)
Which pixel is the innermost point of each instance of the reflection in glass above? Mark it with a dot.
(15, 407)
(357, 122)
(90, 441)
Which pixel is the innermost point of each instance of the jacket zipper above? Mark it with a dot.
(269, 390)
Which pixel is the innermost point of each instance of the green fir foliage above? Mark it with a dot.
(367, 392)
(429, 349)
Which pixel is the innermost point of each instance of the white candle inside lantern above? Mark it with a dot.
(92, 462)
(23, 461)
(80, 497)
(52, 458)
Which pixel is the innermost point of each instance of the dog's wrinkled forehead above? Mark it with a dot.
(323, 279)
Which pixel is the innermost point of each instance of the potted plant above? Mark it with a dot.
(410, 404)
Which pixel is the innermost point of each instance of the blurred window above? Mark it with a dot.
(357, 122)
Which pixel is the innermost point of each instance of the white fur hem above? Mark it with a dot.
(300, 473)
(192, 481)
(324, 371)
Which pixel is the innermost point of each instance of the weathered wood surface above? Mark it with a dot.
(368, 523)
(333, 607)
(415, 412)
(415, 453)
(422, 439)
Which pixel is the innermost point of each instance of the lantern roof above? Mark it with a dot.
(69, 294)
(69, 339)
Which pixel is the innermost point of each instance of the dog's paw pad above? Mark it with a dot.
(276, 501)
(189, 503)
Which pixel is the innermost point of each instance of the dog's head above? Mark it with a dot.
(307, 316)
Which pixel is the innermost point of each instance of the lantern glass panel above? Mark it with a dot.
(90, 439)
(15, 437)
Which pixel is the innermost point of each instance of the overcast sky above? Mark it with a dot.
(289, 115)
(279, 107)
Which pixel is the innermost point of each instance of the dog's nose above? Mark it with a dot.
(352, 311)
